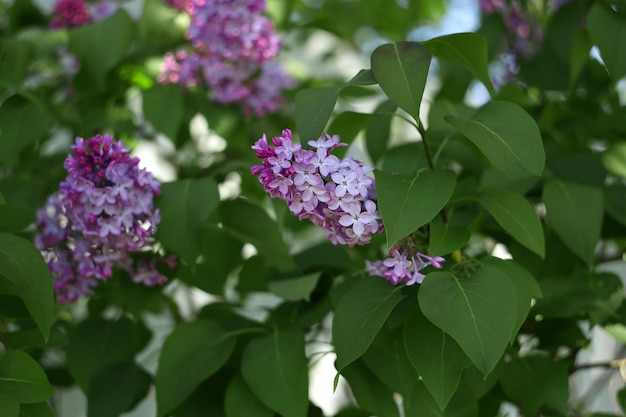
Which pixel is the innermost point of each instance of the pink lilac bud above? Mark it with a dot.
(234, 46)
(70, 14)
(102, 212)
(404, 265)
(337, 195)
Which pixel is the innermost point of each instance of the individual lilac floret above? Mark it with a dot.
(403, 269)
(234, 46)
(70, 14)
(337, 195)
(102, 212)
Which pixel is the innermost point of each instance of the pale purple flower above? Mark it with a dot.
(405, 264)
(102, 212)
(296, 175)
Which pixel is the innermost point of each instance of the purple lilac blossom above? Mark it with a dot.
(234, 49)
(337, 195)
(404, 265)
(70, 14)
(523, 33)
(102, 212)
(103, 9)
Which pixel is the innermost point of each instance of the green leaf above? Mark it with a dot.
(516, 216)
(160, 24)
(185, 206)
(240, 401)
(275, 368)
(507, 136)
(401, 70)
(422, 404)
(360, 314)
(97, 343)
(163, 107)
(370, 393)
(387, 357)
(533, 381)
(614, 159)
(615, 202)
(314, 106)
(15, 57)
(250, 223)
(407, 203)
(435, 356)
(348, 125)
(22, 264)
(9, 407)
(22, 122)
(191, 353)
(607, 30)
(575, 212)
(446, 238)
(378, 130)
(117, 389)
(479, 312)
(467, 49)
(35, 410)
(113, 36)
(14, 218)
(524, 284)
(22, 379)
(294, 289)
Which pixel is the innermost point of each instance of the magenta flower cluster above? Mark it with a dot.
(404, 265)
(234, 46)
(74, 13)
(102, 212)
(336, 194)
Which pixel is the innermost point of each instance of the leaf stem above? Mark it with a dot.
(429, 158)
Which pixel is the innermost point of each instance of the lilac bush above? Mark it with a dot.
(102, 212)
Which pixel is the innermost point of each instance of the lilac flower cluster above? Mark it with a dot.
(524, 31)
(74, 13)
(335, 194)
(102, 212)
(234, 46)
(403, 269)
(70, 14)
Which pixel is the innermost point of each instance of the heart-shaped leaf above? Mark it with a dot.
(359, 316)
(479, 312)
(401, 70)
(435, 355)
(407, 203)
